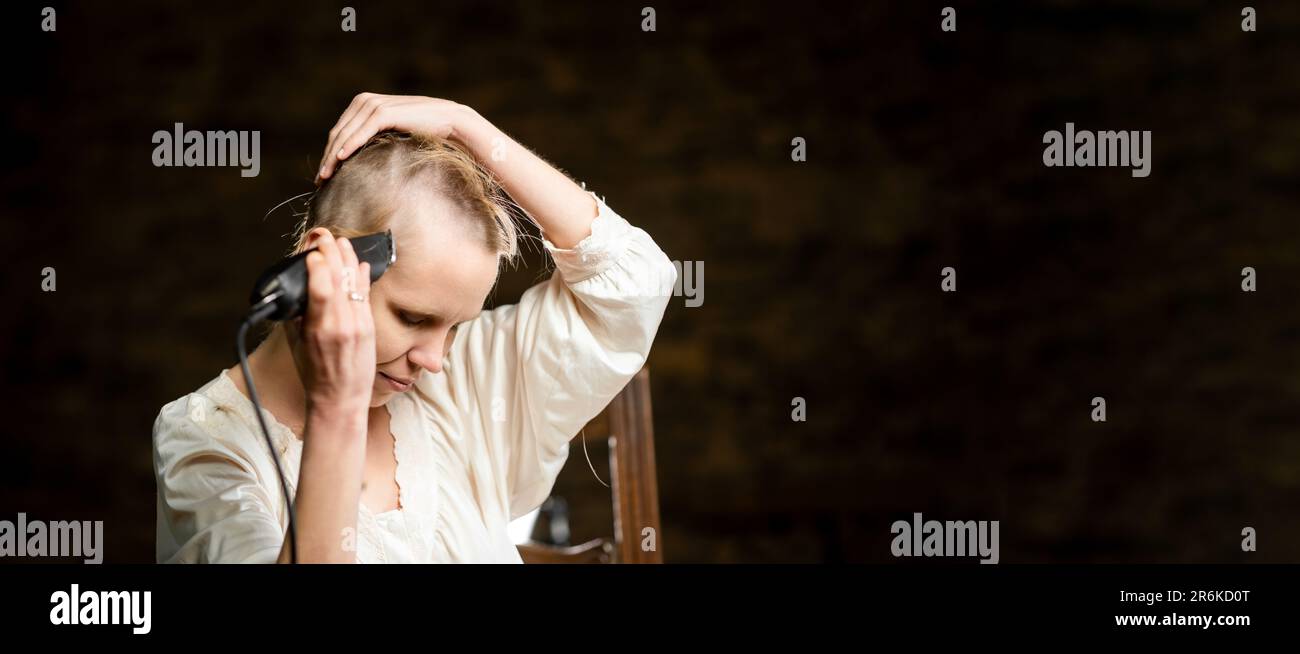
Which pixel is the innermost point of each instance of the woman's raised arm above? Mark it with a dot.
(562, 209)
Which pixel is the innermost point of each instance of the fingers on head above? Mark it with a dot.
(329, 248)
(363, 278)
(327, 243)
(320, 282)
(364, 316)
(347, 253)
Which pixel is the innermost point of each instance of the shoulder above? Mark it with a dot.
(208, 418)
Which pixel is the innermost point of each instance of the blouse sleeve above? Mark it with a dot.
(538, 371)
(213, 504)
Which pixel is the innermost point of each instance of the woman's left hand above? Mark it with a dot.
(372, 113)
(563, 210)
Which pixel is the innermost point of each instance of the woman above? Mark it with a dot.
(412, 426)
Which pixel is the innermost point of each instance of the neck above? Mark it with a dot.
(278, 385)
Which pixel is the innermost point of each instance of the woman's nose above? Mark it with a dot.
(428, 358)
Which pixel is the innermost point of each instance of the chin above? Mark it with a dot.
(380, 396)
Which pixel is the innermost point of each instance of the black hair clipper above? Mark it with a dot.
(281, 292)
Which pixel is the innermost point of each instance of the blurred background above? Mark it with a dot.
(924, 150)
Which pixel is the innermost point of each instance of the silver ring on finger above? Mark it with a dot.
(356, 297)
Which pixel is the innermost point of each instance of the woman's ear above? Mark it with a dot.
(313, 238)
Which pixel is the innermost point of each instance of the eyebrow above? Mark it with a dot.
(426, 315)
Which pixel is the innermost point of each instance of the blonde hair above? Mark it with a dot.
(365, 190)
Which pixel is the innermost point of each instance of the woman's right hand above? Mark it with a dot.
(334, 342)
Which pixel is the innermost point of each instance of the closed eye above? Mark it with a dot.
(411, 320)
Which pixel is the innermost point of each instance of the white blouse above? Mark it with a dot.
(477, 445)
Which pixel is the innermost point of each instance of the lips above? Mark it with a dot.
(400, 380)
(399, 383)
